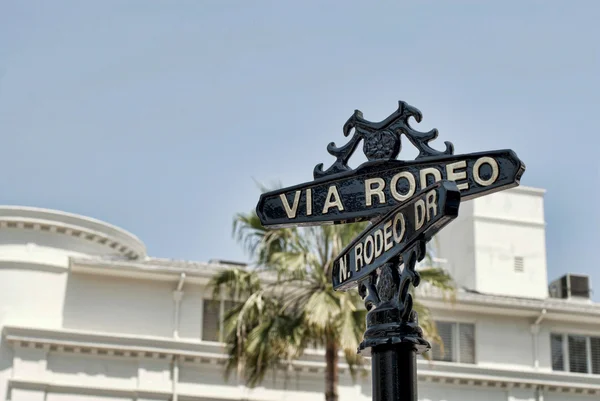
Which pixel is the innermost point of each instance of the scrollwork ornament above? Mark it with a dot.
(368, 292)
(391, 318)
(387, 286)
(381, 140)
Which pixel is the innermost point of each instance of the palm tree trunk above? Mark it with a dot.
(331, 370)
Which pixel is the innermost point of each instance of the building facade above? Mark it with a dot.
(86, 314)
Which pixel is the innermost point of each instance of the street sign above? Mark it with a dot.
(408, 202)
(376, 186)
(417, 219)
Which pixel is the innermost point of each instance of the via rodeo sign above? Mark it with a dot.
(407, 201)
(342, 195)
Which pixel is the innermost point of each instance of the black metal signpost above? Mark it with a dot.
(408, 202)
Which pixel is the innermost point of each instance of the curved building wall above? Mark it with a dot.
(35, 247)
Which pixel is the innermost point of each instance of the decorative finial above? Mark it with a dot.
(381, 140)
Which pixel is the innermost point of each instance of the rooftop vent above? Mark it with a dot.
(227, 262)
(571, 286)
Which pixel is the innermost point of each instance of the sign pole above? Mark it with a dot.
(394, 370)
(393, 331)
(408, 202)
(392, 246)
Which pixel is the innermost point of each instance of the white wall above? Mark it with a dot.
(481, 244)
(31, 294)
(456, 244)
(519, 204)
(569, 397)
(442, 392)
(497, 244)
(509, 224)
(88, 371)
(190, 321)
(122, 305)
(34, 260)
(6, 362)
(504, 342)
(56, 396)
(500, 341)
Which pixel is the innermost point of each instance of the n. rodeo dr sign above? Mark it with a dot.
(418, 219)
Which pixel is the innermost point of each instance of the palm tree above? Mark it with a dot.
(286, 301)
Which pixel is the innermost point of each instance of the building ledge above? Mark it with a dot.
(145, 269)
(130, 346)
(558, 309)
(50, 386)
(476, 375)
(123, 346)
(528, 190)
(153, 269)
(510, 221)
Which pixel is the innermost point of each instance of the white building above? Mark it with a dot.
(87, 315)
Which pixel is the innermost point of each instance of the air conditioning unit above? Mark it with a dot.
(570, 286)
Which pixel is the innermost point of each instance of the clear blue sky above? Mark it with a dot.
(157, 115)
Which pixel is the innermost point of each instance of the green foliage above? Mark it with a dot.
(286, 301)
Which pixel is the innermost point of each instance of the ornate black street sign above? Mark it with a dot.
(417, 219)
(408, 202)
(342, 195)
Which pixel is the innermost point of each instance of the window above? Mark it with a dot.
(556, 346)
(443, 352)
(578, 362)
(458, 341)
(595, 354)
(212, 321)
(575, 353)
(519, 264)
(466, 343)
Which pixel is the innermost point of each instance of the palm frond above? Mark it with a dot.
(237, 283)
(321, 309)
(267, 188)
(275, 321)
(427, 324)
(437, 277)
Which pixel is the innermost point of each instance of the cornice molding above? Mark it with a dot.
(98, 237)
(60, 223)
(99, 344)
(128, 346)
(552, 305)
(152, 268)
(199, 273)
(511, 221)
(528, 190)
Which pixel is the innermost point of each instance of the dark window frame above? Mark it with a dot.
(455, 353)
(224, 306)
(563, 345)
